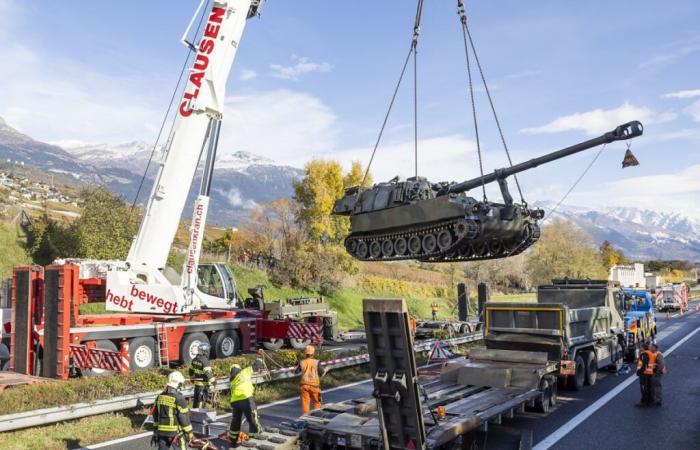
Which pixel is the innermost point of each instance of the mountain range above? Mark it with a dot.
(640, 233)
(243, 180)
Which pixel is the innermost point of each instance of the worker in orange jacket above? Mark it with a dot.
(434, 308)
(646, 366)
(310, 383)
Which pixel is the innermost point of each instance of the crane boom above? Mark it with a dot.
(202, 102)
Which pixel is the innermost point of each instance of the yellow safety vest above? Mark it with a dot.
(242, 386)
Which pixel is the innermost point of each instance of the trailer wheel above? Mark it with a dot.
(225, 344)
(273, 344)
(542, 402)
(142, 353)
(189, 346)
(575, 382)
(299, 344)
(102, 345)
(591, 368)
(553, 392)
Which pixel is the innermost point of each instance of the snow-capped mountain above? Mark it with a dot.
(241, 180)
(640, 233)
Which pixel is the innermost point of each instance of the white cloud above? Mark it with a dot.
(523, 74)
(247, 74)
(689, 93)
(694, 110)
(301, 66)
(234, 198)
(602, 120)
(676, 192)
(286, 126)
(674, 52)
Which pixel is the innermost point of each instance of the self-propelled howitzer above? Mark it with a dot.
(439, 222)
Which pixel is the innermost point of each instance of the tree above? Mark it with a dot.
(316, 193)
(611, 256)
(355, 176)
(47, 240)
(563, 251)
(105, 228)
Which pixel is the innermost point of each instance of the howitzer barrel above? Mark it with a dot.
(623, 132)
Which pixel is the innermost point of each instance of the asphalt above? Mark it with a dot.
(615, 425)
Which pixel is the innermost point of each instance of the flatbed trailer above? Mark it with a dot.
(438, 411)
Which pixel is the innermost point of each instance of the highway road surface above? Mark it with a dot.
(598, 417)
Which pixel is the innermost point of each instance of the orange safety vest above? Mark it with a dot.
(309, 372)
(651, 364)
(434, 307)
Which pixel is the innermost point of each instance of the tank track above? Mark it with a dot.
(426, 242)
(485, 251)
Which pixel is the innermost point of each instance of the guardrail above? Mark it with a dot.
(47, 416)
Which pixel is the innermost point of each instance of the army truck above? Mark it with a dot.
(578, 323)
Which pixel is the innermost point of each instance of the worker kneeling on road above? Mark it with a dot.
(202, 376)
(243, 403)
(171, 417)
(646, 365)
(310, 383)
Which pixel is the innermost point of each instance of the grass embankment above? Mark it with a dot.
(12, 249)
(91, 430)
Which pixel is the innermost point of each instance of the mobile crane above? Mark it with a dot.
(157, 316)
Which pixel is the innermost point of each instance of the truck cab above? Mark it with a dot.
(216, 284)
(640, 322)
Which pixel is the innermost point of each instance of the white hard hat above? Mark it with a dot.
(176, 380)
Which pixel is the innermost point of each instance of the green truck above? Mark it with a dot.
(579, 324)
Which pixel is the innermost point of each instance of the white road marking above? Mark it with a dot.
(565, 429)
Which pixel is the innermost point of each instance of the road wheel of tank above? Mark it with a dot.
(429, 243)
(495, 247)
(273, 344)
(225, 343)
(542, 402)
(299, 344)
(102, 345)
(375, 249)
(444, 240)
(142, 353)
(414, 245)
(351, 246)
(362, 250)
(591, 368)
(400, 246)
(465, 329)
(189, 346)
(553, 392)
(575, 382)
(387, 247)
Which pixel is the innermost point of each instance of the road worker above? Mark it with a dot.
(310, 382)
(201, 375)
(171, 418)
(243, 403)
(659, 371)
(434, 308)
(645, 369)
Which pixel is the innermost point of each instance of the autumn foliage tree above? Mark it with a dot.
(563, 251)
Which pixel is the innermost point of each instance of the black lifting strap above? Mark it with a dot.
(412, 50)
(469, 43)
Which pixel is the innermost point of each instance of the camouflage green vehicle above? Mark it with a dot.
(439, 222)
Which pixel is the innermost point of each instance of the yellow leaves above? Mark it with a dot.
(322, 185)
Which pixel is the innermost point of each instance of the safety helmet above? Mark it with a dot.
(203, 348)
(310, 350)
(176, 380)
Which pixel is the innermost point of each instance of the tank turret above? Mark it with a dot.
(439, 222)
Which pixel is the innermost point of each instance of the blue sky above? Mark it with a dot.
(313, 78)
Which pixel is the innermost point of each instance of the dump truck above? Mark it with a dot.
(578, 323)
